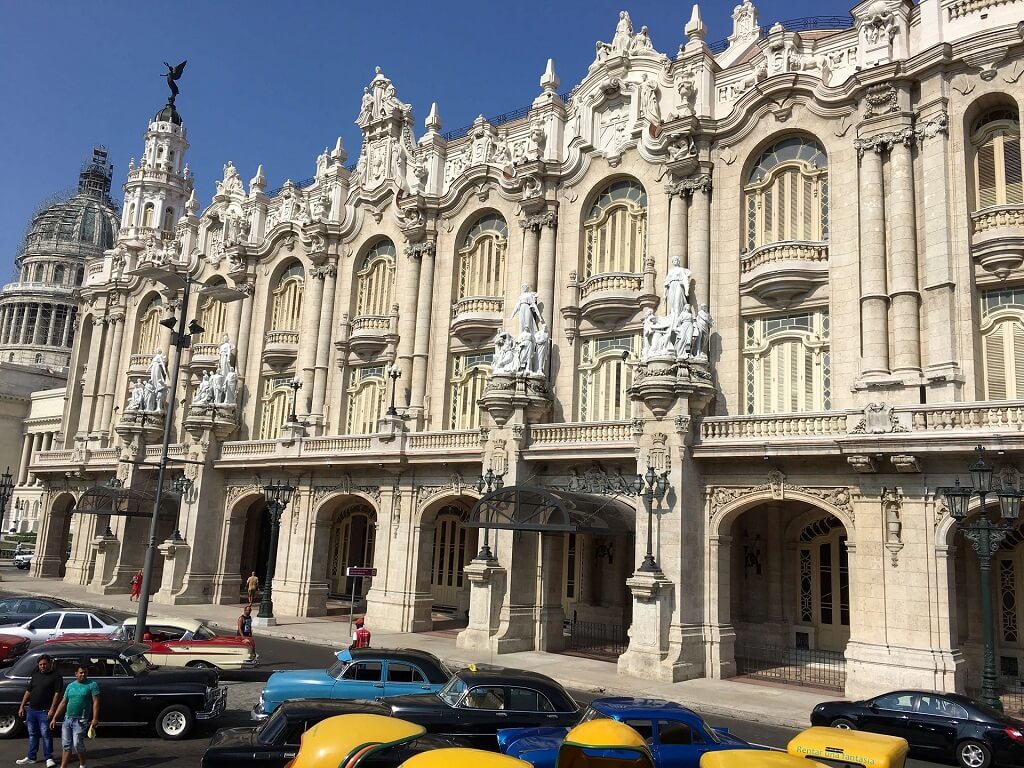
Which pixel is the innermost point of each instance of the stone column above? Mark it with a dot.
(905, 296)
(47, 441)
(421, 347)
(531, 249)
(721, 638)
(91, 378)
(23, 332)
(874, 298)
(546, 267)
(51, 331)
(329, 275)
(311, 308)
(37, 445)
(700, 239)
(112, 367)
(26, 459)
(244, 329)
(65, 335)
(678, 220)
(408, 284)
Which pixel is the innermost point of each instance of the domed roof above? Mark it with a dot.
(168, 114)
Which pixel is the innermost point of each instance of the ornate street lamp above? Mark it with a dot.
(295, 385)
(395, 373)
(277, 496)
(985, 536)
(181, 486)
(488, 482)
(650, 486)
(6, 489)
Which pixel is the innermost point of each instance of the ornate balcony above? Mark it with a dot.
(611, 298)
(997, 238)
(476, 319)
(140, 363)
(204, 356)
(280, 347)
(782, 273)
(368, 334)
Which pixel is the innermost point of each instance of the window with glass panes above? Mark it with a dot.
(148, 338)
(286, 312)
(365, 399)
(786, 195)
(997, 166)
(375, 281)
(605, 376)
(787, 363)
(482, 259)
(211, 315)
(616, 230)
(1002, 341)
(466, 385)
(274, 406)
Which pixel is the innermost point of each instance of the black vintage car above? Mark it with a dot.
(18, 610)
(276, 741)
(132, 691)
(479, 700)
(943, 725)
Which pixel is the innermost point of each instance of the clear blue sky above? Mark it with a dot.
(274, 82)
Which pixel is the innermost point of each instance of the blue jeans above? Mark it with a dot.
(72, 734)
(38, 729)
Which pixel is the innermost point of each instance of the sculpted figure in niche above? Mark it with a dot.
(158, 371)
(217, 383)
(136, 400)
(528, 311)
(526, 352)
(677, 291)
(684, 332)
(541, 341)
(204, 392)
(504, 354)
(656, 334)
(149, 398)
(230, 387)
(702, 332)
(224, 352)
(649, 106)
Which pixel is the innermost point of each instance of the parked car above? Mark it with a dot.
(276, 740)
(480, 700)
(12, 647)
(134, 691)
(18, 610)
(73, 621)
(372, 673)
(676, 736)
(943, 725)
(23, 561)
(185, 643)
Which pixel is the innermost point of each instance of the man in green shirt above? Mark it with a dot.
(82, 703)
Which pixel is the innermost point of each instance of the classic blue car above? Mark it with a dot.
(676, 735)
(363, 673)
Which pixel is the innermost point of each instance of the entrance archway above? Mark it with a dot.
(452, 548)
(55, 540)
(351, 544)
(255, 542)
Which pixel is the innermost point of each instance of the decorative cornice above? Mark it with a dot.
(538, 221)
(882, 142)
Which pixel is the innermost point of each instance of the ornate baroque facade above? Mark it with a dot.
(785, 273)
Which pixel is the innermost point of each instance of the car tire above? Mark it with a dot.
(843, 724)
(201, 665)
(175, 722)
(973, 754)
(10, 726)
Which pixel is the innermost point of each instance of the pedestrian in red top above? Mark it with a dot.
(361, 637)
(136, 585)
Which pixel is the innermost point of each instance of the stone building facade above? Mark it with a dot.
(782, 273)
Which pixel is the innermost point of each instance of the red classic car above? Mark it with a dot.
(12, 647)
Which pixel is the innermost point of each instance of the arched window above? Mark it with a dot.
(79, 275)
(351, 544)
(274, 407)
(788, 367)
(605, 378)
(58, 275)
(376, 280)
(147, 215)
(168, 224)
(211, 314)
(40, 273)
(997, 166)
(148, 339)
(482, 259)
(365, 399)
(787, 194)
(1002, 340)
(616, 230)
(823, 583)
(467, 383)
(88, 231)
(130, 221)
(286, 314)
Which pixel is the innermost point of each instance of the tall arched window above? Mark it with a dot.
(616, 230)
(467, 383)
(148, 338)
(787, 359)
(147, 215)
(130, 221)
(79, 275)
(823, 583)
(40, 273)
(274, 407)
(58, 275)
(365, 399)
(375, 281)
(482, 259)
(286, 313)
(168, 224)
(1002, 341)
(605, 378)
(787, 194)
(997, 166)
(211, 315)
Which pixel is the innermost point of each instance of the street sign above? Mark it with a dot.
(360, 571)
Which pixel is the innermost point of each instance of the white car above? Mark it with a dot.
(53, 624)
(23, 561)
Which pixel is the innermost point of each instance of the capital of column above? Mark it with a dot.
(421, 249)
(327, 270)
(538, 221)
(883, 142)
(686, 187)
(113, 318)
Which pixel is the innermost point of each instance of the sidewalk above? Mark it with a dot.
(783, 706)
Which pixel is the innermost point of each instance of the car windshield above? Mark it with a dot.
(336, 669)
(453, 691)
(105, 618)
(204, 633)
(267, 732)
(122, 633)
(137, 664)
(593, 714)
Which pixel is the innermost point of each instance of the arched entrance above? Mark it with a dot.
(452, 548)
(353, 531)
(255, 542)
(55, 539)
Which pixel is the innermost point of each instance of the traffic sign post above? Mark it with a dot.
(356, 572)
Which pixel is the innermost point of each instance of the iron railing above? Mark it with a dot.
(796, 666)
(805, 24)
(597, 639)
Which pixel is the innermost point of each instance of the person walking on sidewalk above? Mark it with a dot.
(136, 585)
(80, 698)
(38, 706)
(361, 636)
(243, 627)
(252, 585)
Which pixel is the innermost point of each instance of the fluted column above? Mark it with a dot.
(905, 295)
(37, 445)
(421, 347)
(5, 322)
(112, 367)
(23, 332)
(69, 321)
(874, 298)
(700, 239)
(546, 267)
(26, 459)
(678, 220)
(408, 285)
(531, 250)
(244, 328)
(306, 361)
(51, 331)
(91, 378)
(329, 276)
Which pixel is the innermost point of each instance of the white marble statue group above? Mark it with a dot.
(681, 333)
(149, 395)
(220, 387)
(525, 354)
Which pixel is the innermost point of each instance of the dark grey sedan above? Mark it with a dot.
(18, 610)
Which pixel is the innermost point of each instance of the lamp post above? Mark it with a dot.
(181, 486)
(395, 373)
(650, 486)
(170, 278)
(985, 536)
(295, 385)
(488, 482)
(6, 489)
(277, 495)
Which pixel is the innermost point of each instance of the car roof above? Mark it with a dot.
(300, 707)
(89, 646)
(397, 654)
(189, 625)
(486, 674)
(634, 706)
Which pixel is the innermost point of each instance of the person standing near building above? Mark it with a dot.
(252, 585)
(81, 698)
(136, 585)
(243, 627)
(38, 706)
(361, 636)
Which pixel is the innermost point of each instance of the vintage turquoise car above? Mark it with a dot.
(362, 673)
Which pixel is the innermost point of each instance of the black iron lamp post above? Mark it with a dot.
(488, 482)
(295, 385)
(985, 536)
(277, 495)
(395, 373)
(650, 486)
(6, 490)
(181, 486)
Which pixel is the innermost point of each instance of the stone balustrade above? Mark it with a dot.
(957, 9)
(479, 304)
(140, 362)
(774, 426)
(371, 323)
(52, 458)
(787, 250)
(997, 217)
(580, 433)
(248, 448)
(337, 444)
(611, 281)
(444, 441)
(282, 337)
(990, 416)
(204, 350)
